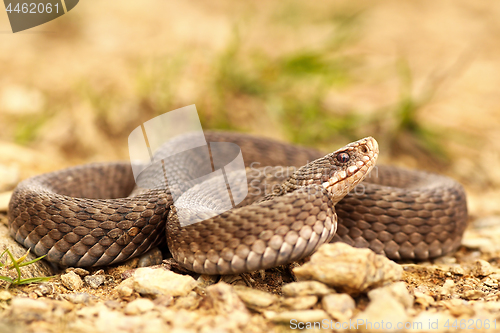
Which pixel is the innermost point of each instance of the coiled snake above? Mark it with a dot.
(82, 216)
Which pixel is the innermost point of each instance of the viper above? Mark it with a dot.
(95, 214)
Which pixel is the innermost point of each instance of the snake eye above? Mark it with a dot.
(343, 157)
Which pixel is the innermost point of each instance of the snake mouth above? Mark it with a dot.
(365, 152)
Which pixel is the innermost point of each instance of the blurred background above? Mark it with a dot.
(422, 77)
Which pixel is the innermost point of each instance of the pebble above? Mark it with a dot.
(448, 287)
(458, 307)
(474, 242)
(78, 298)
(474, 294)
(115, 321)
(139, 306)
(28, 309)
(163, 300)
(94, 281)
(227, 303)
(112, 304)
(72, 281)
(80, 271)
(182, 319)
(21, 100)
(339, 306)
(488, 222)
(457, 270)
(9, 177)
(395, 290)
(5, 295)
(125, 289)
(482, 268)
(254, 298)
(291, 317)
(381, 315)
(189, 302)
(349, 269)
(423, 299)
(149, 281)
(4, 201)
(300, 302)
(206, 280)
(306, 288)
(493, 283)
(150, 258)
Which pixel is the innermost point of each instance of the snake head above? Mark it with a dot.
(338, 172)
(349, 166)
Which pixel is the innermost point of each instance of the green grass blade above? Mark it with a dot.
(6, 278)
(31, 261)
(14, 262)
(33, 280)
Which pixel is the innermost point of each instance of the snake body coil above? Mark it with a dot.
(82, 216)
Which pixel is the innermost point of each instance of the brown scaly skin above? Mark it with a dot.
(68, 215)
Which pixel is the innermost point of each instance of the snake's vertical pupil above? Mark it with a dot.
(343, 157)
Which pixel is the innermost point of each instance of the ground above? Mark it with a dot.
(419, 76)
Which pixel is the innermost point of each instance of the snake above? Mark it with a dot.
(95, 215)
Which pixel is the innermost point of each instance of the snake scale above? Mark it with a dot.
(90, 215)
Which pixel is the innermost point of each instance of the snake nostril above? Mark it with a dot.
(364, 149)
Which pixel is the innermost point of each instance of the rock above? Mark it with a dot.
(163, 300)
(423, 299)
(4, 201)
(125, 288)
(150, 258)
(21, 100)
(381, 315)
(94, 281)
(458, 307)
(72, 281)
(184, 320)
(227, 303)
(80, 271)
(472, 241)
(493, 283)
(27, 309)
(339, 306)
(44, 289)
(457, 270)
(255, 298)
(474, 294)
(448, 287)
(206, 280)
(482, 268)
(294, 318)
(300, 302)
(189, 302)
(5, 295)
(105, 320)
(431, 322)
(149, 281)
(78, 298)
(9, 177)
(349, 269)
(306, 288)
(139, 306)
(113, 305)
(395, 290)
